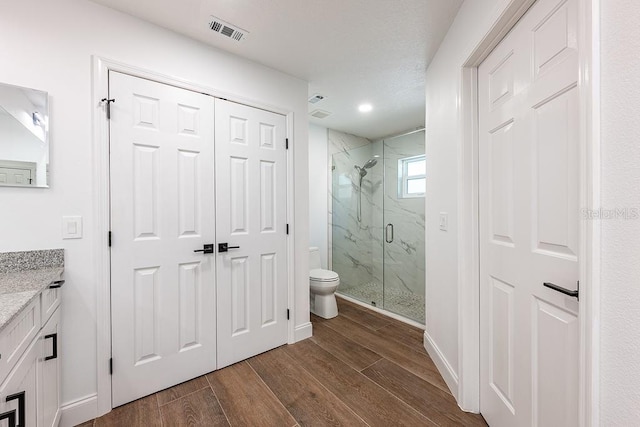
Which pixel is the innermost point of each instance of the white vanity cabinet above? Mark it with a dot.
(30, 365)
(49, 372)
(18, 393)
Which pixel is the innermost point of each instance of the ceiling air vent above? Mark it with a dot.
(320, 114)
(316, 98)
(224, 28)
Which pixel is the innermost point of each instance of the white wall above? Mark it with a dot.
(443, 139)
(318, 190)
(620, 256)
(49, 45)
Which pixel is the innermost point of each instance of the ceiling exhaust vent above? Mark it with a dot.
(316, 98)
(226, 29)
(320, 114)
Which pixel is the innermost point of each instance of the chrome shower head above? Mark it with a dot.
(360, 170)
(370, 163)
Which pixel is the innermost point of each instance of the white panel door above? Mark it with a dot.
(162, 210)
(251, 215)
(15, 176)
(529, 214)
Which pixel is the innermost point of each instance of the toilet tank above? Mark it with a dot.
(314, 258)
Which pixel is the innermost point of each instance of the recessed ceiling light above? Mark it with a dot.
(365, 108)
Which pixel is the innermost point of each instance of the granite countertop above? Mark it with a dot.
(23, 275)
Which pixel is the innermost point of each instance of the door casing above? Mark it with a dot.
(467, 389)
(100, 161)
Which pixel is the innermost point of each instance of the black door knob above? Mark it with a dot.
(224, 247)
(206, 249)
(574, 294)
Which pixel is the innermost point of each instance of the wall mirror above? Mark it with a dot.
(24, 137)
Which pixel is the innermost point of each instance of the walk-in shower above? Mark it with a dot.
(377, 221)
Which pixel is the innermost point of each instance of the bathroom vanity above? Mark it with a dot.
(30, 291)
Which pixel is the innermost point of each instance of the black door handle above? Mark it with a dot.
(575, 294)
(206, 249)
(21, 409)
(224, 247)
(56, 284)
(55, 346)
(10, 416)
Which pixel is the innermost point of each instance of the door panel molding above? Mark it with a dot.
(101, 402)
(162, 332)
(540, 170)
(466, 388)
(252, 293)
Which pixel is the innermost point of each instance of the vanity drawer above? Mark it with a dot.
(17, 335)
(50, 301)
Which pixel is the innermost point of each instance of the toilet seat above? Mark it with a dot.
(321, 275)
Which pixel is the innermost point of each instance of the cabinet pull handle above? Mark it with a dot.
(388, 228)
(56, 284)
(55, 346)
(21, 408)
(10, 416)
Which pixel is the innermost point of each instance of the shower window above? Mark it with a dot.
(412, 177)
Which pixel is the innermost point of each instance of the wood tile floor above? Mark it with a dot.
(358, 369)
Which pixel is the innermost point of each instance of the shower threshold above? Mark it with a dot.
(382, 311)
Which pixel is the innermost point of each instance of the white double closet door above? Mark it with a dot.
(529, 226)
(188, 170)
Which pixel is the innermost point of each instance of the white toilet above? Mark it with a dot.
(323, 284)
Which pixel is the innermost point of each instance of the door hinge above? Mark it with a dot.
(108, 101)
(111, 366)
(287, 228)
(287, 314)
(109, 238)
(286, 143)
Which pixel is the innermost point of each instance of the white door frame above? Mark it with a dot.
(468, 241)
(100, 162)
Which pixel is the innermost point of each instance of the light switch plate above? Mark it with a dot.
(72, 227)
(444, 221)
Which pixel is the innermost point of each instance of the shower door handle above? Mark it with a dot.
(388, 232)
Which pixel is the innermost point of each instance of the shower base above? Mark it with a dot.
(397, 301)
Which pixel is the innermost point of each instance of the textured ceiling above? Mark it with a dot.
(350, 51)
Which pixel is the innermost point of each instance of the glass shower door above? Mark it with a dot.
(404, 222)
(356, 222)
(377, 223)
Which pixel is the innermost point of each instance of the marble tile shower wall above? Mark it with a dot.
(404, 258)
(357, 250)
(350, 239)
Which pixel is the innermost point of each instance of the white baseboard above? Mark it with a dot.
(445, 369)
(302, 332)
(80, 410)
